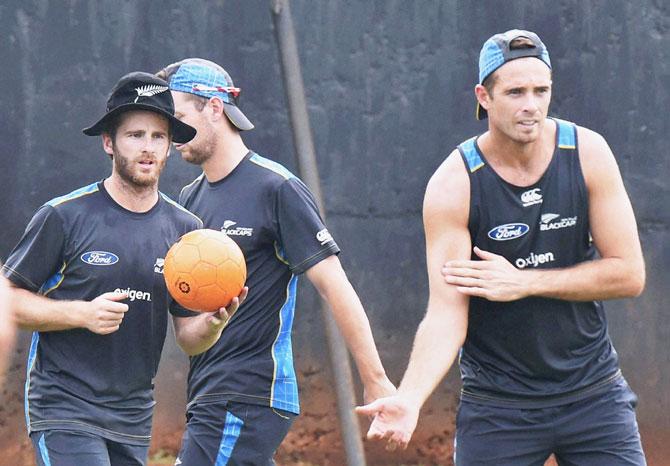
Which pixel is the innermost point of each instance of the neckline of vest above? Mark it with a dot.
(545, 173)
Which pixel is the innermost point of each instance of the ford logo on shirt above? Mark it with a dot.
(508, 231)
(99, 258)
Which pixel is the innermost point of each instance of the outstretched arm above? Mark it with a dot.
(334, 287)
(618, 273)
(444, 327)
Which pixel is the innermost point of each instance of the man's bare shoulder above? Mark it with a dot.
(449, 188)
(595, 155)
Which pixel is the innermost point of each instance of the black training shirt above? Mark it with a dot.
(77, 247)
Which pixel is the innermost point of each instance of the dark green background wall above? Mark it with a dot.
(389, 85)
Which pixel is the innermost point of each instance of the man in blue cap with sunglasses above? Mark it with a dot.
(528, 228)
(242, 392)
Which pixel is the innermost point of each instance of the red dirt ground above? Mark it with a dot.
(313, 440)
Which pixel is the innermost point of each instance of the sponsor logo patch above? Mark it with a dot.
(237, 231)
(158, 266)
(534, 260)
(99, 258)
(508, 231)
(531, 197)
(324, 236)
(547, 222)
(134, 294)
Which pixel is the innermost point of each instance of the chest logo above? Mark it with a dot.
(534, 260)
(531, 197)
(228, 229)
(552, 222)
(134, 294)
(158, 266)
(99, 258)
(508, 231)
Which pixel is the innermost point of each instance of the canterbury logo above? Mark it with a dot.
(149, 90)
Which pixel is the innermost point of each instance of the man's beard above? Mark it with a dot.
(201, 153)
(123, 165)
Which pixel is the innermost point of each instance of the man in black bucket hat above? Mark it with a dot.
(141, 91)
(88, 280)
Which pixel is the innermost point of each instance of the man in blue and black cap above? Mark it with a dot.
(242, 392)
(88, 281)
(514, 219)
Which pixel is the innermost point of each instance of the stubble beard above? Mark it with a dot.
(197, 156)
(125, 172)
(202, 152)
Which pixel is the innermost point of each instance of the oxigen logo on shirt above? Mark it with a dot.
(99, 258)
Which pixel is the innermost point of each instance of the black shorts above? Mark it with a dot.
(74, 448)
(597, 431)
(232, 434)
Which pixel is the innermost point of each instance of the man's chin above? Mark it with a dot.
(145, 181)
(193, 158)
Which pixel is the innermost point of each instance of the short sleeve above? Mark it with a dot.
(39, 254)
(178, 310)
(304, 239)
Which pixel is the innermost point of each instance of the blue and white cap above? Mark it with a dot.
(207, 79)
(496, 52)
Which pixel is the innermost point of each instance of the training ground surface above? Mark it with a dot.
(314, 439)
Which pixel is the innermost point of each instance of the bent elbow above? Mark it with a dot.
(636, 282)
(183, 343)
(639, 283)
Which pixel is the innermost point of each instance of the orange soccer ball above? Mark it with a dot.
(204, 270)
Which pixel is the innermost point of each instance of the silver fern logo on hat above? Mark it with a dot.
(142, 91)
(148, 91)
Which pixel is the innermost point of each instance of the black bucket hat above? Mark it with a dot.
(142, 91)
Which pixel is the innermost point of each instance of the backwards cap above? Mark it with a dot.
(207, 79)
(496, 52)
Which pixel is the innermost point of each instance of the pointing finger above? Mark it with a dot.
(114, 295)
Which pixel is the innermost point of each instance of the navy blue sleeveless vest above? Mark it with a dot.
(534, 351)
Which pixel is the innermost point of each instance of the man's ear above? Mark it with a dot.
(483, 96)
(216, 105)
(108, 144)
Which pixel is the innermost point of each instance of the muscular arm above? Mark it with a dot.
(444, 327)
(618, 273)
(7, 326)
(333, 285)
(102, 315)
